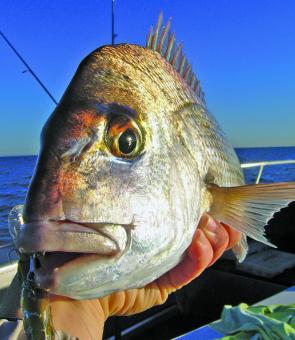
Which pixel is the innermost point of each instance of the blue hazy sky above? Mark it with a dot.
(243, 51)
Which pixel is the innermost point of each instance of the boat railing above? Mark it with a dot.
(261, 166)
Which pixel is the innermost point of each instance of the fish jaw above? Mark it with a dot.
(160, 234)
(67, 236)
(164, 221)
(163, 229)
(92, 276)
(52, 244)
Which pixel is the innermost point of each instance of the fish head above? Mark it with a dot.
(113, 202)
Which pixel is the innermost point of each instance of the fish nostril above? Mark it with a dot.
(87, 146)
(78, 148)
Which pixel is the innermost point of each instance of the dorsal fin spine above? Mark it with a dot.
(149, 38)
(182, 65)
(163, 36)
(187, 72)
(196, 85)
(190, 78)
(176, 55)
(169, 47)
(162, 40)
(193, 81)
(156, 34)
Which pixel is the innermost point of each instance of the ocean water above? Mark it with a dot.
(16, 172)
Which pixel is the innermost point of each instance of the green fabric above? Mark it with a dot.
(256, 323)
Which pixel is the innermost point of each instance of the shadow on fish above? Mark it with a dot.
(130, 160)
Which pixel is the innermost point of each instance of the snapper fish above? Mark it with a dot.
(130, 160)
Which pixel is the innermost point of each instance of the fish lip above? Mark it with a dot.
(32, 236)
(46, 276)
(94, 225)
(47, 265)
(97, 226)
(29, 237)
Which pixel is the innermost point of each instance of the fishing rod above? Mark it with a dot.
(28, 67)
(114, 35)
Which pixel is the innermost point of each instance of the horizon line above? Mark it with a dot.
(235, 147)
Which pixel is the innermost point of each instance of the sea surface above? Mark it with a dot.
(16, 172)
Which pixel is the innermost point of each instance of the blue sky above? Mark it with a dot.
(243, 52)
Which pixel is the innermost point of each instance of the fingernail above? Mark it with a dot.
(211, 225)
(204, 220)
(201, 237)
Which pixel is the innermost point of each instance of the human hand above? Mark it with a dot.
(85, 319)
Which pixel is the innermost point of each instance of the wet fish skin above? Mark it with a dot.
(162, 191)
(131, 214)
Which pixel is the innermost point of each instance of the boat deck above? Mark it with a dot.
(8, 267)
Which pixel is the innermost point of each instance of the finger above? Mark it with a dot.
(209, 242)
(196, 260)
(217, 235)
(234, 236)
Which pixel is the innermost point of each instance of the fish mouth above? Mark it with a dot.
(47, 267)
(55, 246)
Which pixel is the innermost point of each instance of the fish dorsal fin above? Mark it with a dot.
(162, 40)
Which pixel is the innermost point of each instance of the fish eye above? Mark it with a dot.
(127, 142)
(124, 137)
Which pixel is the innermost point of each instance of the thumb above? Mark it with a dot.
(82, 319)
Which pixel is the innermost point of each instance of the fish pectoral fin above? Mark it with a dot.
(248, 208)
